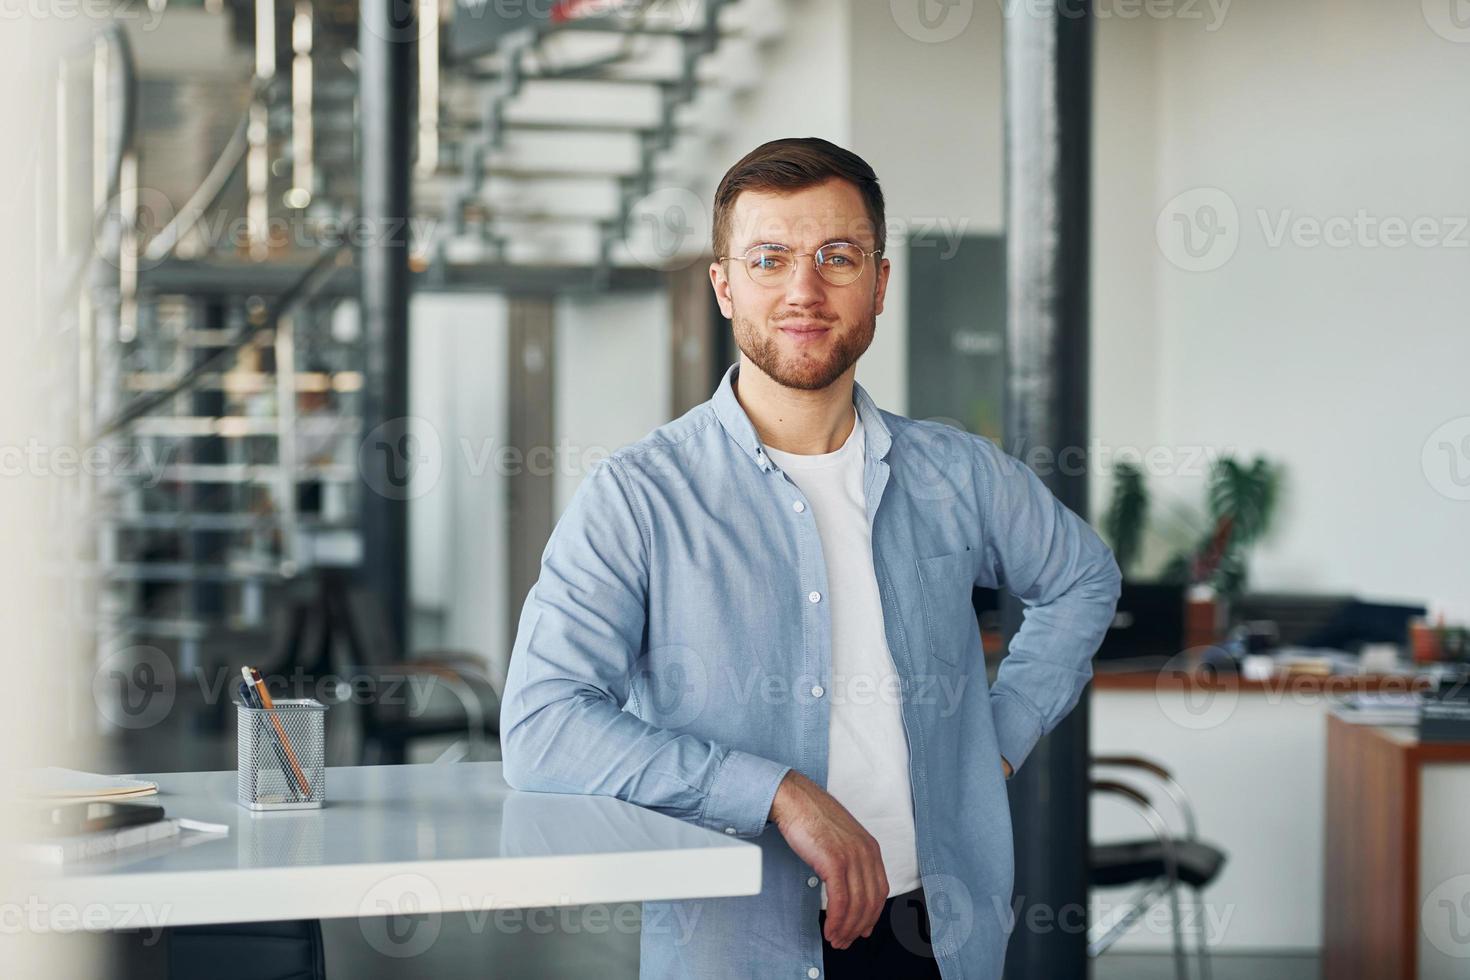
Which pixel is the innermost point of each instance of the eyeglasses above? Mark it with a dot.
(839, 263)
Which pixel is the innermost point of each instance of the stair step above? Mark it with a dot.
(186, 522)
(235, 426)
(187, 572)
(247, 382)
(256, 473)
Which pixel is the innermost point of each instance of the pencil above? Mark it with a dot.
(253, 675)
(249, 700)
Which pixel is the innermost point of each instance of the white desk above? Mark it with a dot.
(395, 840)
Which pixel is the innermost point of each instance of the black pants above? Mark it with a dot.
(898, 948)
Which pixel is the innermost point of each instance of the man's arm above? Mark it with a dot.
(563, 727)
(1057, 565)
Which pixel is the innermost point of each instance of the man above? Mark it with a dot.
(758, 619)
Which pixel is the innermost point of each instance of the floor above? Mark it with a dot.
(592, 942)
(588, 942)
(1234, 966)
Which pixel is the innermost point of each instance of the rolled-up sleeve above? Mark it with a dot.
(1069, 583)
(578, 642)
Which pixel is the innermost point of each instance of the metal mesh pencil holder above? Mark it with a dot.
(281, 755)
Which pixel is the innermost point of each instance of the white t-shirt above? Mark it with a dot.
(868, 752)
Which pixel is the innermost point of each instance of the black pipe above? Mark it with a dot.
(1048, 90)
(386, 56)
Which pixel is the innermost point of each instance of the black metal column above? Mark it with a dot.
(1048, 92)
(386, 93)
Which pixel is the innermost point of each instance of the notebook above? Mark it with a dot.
(56, 783)
(62, 850)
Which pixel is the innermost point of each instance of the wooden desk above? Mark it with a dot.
(1252, 755)
(1282, 684)
(1378, 855)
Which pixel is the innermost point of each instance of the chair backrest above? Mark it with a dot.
(364, 622)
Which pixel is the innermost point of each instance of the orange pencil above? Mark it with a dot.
(265, 699)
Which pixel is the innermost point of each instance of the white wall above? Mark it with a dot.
(611, 388)
(457, 556)
(1338, 362)
(1125, 378)
(926, 114)
(799, 90)
(1444, 869)
(612, 378)
(1254, 768)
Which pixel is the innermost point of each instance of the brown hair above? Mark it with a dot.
(790, 165)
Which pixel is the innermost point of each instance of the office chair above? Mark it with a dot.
(1159, 865)
(390, 725)
(335, 627)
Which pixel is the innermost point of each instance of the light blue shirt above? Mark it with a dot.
(676, 653)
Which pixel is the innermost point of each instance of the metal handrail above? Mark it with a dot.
(312, 281)
(127, 131)
(213, 185)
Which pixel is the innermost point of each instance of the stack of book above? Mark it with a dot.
(81, 815)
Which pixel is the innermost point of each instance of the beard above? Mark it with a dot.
(806, 370)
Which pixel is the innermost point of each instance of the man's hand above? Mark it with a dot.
(845, 856)
(1007, 766)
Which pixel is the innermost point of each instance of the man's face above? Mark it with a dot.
(802, 331)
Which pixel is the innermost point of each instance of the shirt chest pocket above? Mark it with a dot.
(950, 627)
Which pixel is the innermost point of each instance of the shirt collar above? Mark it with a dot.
(738, 425)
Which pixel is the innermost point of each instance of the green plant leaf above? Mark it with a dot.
(1125, 518)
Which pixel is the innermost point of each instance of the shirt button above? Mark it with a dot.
(813, 881)
(814, 597)
(817, 690)
(729, 830)
(798, 506)
(814, 973)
